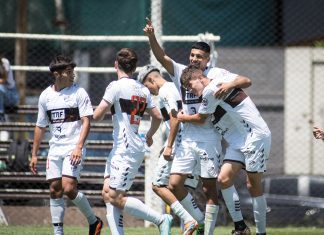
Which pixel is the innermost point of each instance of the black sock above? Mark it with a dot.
(240, 225)
(58, 224)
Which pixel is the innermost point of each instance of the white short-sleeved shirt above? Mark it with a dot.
(236, 117)
(169, 98)
(129, 100)
(191, 104)
(62, 111)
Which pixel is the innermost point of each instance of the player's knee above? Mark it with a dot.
(105, 195)
(172, 187)
(54, 193)
(70, 192)
(224, 181)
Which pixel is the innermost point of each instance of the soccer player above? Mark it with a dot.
(318, 133)
(170, 103)
(238, 120)
(66, 108)
(128, 99)
(200, 146)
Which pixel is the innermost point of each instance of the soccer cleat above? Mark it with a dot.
(200, 229)
(165, 226)
(246, 231)
(190, 227)
(95, 228)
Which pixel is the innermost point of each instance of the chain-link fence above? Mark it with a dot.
(276, 43)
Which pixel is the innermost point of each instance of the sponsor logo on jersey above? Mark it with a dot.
(57, 115)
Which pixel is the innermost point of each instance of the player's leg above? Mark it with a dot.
(258, 155)
(57, 206)
(159, 186)
(114, 214)
(259, 203)
(123, 170)
(226, 177)
(70, 176)
(184, 164)
(208, 154)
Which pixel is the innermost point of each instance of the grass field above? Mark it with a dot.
(68, 230)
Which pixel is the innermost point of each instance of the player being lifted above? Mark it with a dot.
(170, 103)
(66, 108)
(200, 147)
(248, 136)
(127, 99)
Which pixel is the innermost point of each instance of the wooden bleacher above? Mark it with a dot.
(23, 185)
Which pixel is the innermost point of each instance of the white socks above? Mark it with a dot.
(115, 219)
(260, 211)
(135, 207)
(57, 212)
(210, 218)
(232, 202)
(191, 207)
(83, 204)
(178, 209)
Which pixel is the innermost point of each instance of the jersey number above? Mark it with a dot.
(138, 109)
(193, 110)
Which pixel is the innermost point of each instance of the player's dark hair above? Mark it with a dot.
(187, 74)
(127, 60)
(201, 46)
(60, 63)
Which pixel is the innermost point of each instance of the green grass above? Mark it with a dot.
(68, 230)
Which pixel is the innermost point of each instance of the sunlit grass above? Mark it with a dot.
(69, 230)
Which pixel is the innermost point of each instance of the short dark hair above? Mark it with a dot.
(201, 46)
(61, 62)
(187, 73)
(127, 60)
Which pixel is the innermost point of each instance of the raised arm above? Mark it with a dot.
(238, 82)
(157, 50)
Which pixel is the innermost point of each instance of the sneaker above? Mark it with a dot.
(200, 229)
(165, 226)
(190, 227)
(95, 228)
(246, 231)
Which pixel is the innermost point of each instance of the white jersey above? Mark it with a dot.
(62, 111)
(129, 100)
(236, 117)
(191, 104)
(169, 98)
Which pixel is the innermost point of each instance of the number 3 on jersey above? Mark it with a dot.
(139, 105)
